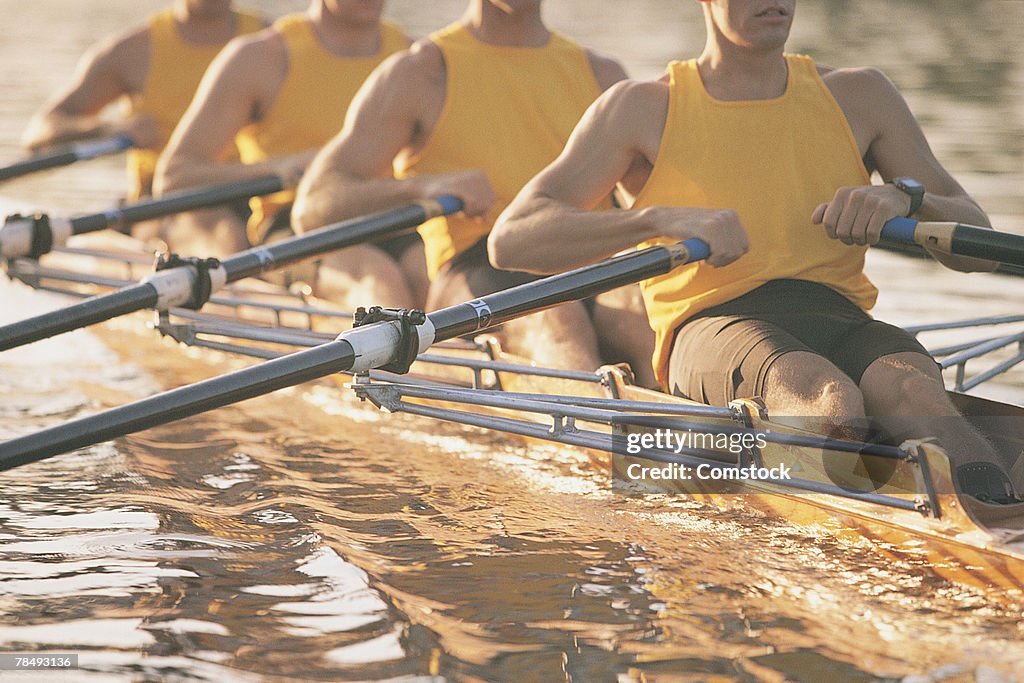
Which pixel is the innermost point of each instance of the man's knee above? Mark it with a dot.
(839, 397)
(809, 382)
(905, 385)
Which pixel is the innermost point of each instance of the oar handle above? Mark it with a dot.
(695, 250)
(958, 238)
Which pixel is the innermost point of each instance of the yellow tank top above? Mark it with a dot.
(310, 107)
(175, 69)
(773, 161)
(509, 112)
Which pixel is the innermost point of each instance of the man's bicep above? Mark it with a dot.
(901, 148)
(222, 105)
(99, 80)
(598, 155)
(380, 123)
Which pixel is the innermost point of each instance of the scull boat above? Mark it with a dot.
(914, 511)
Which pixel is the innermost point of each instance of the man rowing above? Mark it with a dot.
(279, 96)
(767, 157)
(155, 68)
(473, 111)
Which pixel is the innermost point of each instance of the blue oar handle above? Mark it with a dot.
(696, 249)
(91, 149)
(899, 230)
(449, 204)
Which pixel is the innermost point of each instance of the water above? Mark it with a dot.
(304, 536)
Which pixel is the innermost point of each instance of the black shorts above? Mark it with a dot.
(724, 352)
(280, 227)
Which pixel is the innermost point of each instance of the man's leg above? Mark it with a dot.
(414, 267)
(363, 275)
(620, 320)
(804, 385)
(907, 388)
(216, 232)
(562, 337)
(717, 359)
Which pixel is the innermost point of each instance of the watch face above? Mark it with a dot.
(909, 185)
(914, 190)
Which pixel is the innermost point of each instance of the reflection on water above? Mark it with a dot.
(304, 536)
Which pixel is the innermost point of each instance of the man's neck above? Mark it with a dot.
(494, 26)
(341, 37)
(733, 73)
(204, 28)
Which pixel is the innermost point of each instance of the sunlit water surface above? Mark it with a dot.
(303, 535)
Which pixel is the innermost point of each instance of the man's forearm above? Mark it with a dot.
(526, 237)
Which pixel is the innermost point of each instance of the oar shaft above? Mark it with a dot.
(80, 151)
(493, 309)
(174, 286)
(959, 239)
(333, 237)
(358, 349)
(36, 235)
(88, 312)
(173, 405)
(177, 202)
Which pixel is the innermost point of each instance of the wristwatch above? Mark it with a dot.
(914, 189)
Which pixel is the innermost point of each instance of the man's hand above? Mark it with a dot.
(720, 228)
(291, 167)
(472, 187)
(856, 215)
(143, 131)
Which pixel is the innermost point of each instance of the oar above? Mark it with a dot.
(959, 239)
(357, 350)
(189, 282)
(36, 235)
(78, 151)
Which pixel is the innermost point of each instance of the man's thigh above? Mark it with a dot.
(716, 359)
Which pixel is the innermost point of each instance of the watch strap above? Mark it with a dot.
(912, 189)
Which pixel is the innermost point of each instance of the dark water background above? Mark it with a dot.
(304, 536)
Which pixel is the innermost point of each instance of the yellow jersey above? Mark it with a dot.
(773, 161)
(508, 111)
(175, 69)
(311, 105)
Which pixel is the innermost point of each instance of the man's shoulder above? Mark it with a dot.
(863, 80)
(411, 72)
(127, 45)
(124, 55)
(638, 95)
(632, 105)
(255, 52)
(423, 59)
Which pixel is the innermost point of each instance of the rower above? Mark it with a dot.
(279, 96)
(155, 68)
(767, 157)
(473, 111)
